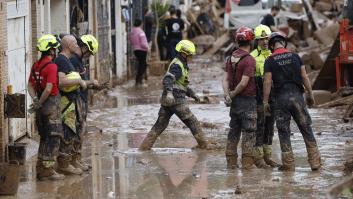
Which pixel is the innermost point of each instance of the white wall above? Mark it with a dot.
(60, 16)
(121, 43)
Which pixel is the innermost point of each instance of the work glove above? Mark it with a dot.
(227, 99)
(168, 100)
(83, 85)
(310, 99)
(267, 110)
(196, 98)
(100, 86)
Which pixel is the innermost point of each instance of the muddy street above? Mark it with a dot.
(119, 123)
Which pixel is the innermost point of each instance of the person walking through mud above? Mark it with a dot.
(69, 83)
(88, 46)
(286, 72)
(265, 124)
(43, 88)
(240, 94)
(173, 100)
(140, 46)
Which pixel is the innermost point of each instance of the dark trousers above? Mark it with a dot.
(142, 65)
(290, 103)
(243, 118)
(265, 126)
(171, 52)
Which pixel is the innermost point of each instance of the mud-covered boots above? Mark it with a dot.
(201, 140)
(149, 140)
(268, 156)
(76, 162)
(259, 158)
(45, 171)
(287, 162)
(65, 167)
(314, 157)
(232, 154)
(247, 161)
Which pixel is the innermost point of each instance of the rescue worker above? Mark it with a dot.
(69, 84)
(173, 100)
(43, 88)
(240, 93)
(265, 124)
(88, 45)
(287, 72)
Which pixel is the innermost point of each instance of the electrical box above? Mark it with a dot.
(15, 105)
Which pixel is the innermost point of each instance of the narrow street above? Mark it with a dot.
(118, 124)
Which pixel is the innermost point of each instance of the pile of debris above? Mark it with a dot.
(312, 32)
(206, 28)
(343, 97)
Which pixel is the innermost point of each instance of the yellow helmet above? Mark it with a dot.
(46, 42)
(262, 31)
(186, 46)
(91, 42)
(72, 75)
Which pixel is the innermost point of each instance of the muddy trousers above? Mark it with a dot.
(243, 120)
(48, 122)
(291, 104)
(165, 113)
(264, 127)
(70, 147)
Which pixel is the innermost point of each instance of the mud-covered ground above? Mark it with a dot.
(119, 123)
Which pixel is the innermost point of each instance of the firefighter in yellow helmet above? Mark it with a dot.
(265, 124)
(43, 88)
(173, 101)
(88, 46)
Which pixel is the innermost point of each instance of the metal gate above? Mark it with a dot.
(18, 54)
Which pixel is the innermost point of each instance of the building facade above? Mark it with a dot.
(23, 21)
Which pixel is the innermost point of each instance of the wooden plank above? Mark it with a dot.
(309, 12)
(220, 42)
(193, 19)
(338, 102)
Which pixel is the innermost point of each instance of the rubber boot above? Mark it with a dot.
(268, 156)
(65, 167)
(44, 173)
(287, 162)
(314, 157)
(201, 141)
(259, 158)
(232, 154)
(75, 161)
(247, 161)
(148, 142)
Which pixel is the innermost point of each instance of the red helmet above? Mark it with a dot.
(244, 34)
